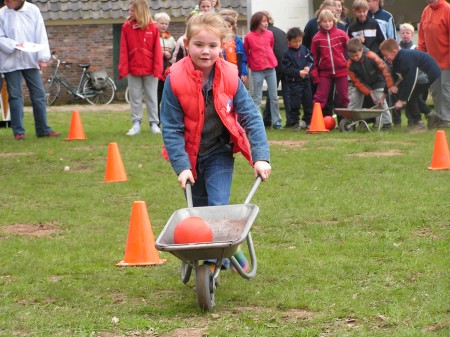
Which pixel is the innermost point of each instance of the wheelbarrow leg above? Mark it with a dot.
(253, 262)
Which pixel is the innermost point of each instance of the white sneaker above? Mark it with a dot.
(154, 129)
(135, 130)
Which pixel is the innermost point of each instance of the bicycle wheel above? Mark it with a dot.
(52, 90)
(204, 285)
(95, 96)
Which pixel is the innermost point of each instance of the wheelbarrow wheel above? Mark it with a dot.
(204, 285)
(186, 270)
(345, 125)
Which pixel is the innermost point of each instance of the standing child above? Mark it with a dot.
(296, 64)
(207, 115)
(140, 60)
(258, 45)
(365, 28)
(406, 67)
(383, 17)
(329, 49)
(406, 34)
(370, 76)
(203, 6)
(233, 48)
(167, 45)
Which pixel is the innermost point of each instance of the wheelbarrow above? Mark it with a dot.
(353, 118)
(230, 225)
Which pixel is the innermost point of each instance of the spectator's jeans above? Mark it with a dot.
(214, 175)
(147, 87)
(37, 94)
(272, 92)
(267, 115)
(440, 90)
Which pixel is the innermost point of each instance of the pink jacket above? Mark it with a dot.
(329, 50)
(434, 33)
(258, 47)
(140, 51)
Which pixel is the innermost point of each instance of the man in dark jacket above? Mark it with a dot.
(280, 45)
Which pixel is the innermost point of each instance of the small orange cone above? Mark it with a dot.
(140, 249)
(115, 170)
(441, 154)
(317, 123)
(76, 131)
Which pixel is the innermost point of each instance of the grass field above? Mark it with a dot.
(352, 238)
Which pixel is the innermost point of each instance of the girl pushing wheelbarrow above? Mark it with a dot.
(207, 115)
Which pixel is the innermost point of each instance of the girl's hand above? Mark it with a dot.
(185, 176)
(263, 169)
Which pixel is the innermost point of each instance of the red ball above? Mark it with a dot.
(192, 230)
(329, 122)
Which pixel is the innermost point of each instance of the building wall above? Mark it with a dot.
(91, 43)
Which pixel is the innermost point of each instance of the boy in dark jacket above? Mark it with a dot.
(365, 28)
(406, 64)
(369, 75)
(296, 64)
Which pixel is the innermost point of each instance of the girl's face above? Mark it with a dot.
(205, 6)
(263, 24)
(338, 9)
(406, 35)
(163, 25)
(213, 3)
(131, 12)
(327, 24)
(205, 48)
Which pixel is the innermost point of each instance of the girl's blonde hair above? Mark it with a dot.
(326, 3)
(327, 15)
(210, 21)
(407, 26)
(162, 16)
(142, 13)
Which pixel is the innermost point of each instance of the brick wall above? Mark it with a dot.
(80, 44)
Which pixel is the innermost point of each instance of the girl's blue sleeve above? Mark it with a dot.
(172, 121)
(249, 117)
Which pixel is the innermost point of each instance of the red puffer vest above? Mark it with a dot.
(186, 84)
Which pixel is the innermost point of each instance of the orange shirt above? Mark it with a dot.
(230, 51)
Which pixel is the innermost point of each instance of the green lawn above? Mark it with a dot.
(351, 239)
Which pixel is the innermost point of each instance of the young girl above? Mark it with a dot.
(329, 49)
(202, 6)
(258, 45)
(233, 48)
(207, 115)
(140, 60)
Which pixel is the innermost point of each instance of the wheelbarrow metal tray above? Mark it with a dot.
(359, 114)
(230, 225)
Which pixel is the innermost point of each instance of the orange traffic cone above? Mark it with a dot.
(76, 131)
(115, 170)
(317, 123)
(140, 249)
(441, 154)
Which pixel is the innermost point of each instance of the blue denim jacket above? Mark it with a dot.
(173, 126)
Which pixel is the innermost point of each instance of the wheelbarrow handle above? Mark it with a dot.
(252, 192)
(188, 192)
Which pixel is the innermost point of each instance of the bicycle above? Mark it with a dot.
(95, 90)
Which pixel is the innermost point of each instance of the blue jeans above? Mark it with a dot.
(214, 175)
(37, 94)
(272, 92)
(213, 184)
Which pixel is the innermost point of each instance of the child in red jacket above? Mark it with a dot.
(329, 49)
(141, 61)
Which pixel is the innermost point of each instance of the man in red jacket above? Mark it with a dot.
(434, 31)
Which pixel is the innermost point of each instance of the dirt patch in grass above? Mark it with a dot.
(387, 153)
(15, 154)
(187, 332)
(289, 143)
(35, 230)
